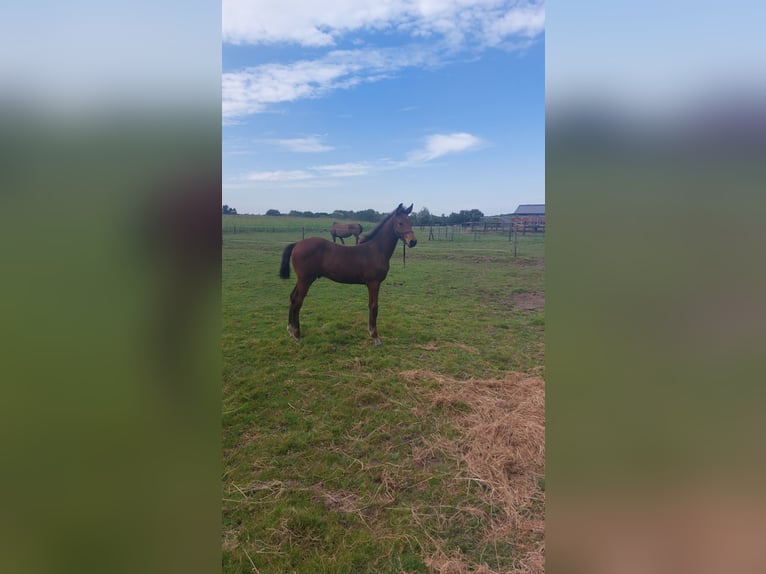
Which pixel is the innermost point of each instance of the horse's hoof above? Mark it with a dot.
(294, 333)
(378, 342)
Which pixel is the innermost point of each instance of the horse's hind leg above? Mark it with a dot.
(341, 240)
(291, 328)
(296, 302)
(373, 289)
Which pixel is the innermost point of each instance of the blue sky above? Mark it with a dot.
(357, 104)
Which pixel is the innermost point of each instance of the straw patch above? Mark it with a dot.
(339, 500)
(529, 301)
(501, 443)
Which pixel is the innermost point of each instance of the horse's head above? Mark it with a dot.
(403, 225)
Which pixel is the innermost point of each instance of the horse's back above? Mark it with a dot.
(312, 246)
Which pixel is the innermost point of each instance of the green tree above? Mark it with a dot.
(367, 215)
(475, 215)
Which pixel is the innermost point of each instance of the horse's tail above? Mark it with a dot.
(284, 269)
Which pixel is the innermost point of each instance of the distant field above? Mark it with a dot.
(320, 226)
(252, 223)
(340, 456)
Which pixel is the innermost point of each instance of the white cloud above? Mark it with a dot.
(347, 169)
(276, 176)
(317, 172)
(525, 20)
(254, 90)
(436, 146)
(310, 144)
(439, 145)
(323, 23)
(437, 31)
(304, 22)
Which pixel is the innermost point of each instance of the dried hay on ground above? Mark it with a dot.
(529, 301)
(502, 445)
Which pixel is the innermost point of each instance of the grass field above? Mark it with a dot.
(340, 456)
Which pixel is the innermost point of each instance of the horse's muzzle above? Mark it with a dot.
(412, 243)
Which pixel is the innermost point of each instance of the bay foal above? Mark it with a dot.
(366, 263)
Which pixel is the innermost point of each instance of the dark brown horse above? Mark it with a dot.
(366, 264)
(341, 230)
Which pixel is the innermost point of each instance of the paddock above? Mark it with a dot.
(332, 438)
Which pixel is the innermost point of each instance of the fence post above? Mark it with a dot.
(303, 233)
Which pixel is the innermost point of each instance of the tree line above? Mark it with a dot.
(422, 217)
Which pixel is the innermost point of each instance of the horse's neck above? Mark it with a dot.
(385, 240)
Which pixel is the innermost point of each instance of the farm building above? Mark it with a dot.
(530, 217)
(530, 210)
(526, 218)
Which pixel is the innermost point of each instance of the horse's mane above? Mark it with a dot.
(371, 235)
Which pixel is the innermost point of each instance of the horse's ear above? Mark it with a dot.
(409, 209)
(399, 208)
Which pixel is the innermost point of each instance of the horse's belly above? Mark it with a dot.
(344, 277)
(354, 272)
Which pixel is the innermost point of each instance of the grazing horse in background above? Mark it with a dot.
(341, 230)
(365, 264)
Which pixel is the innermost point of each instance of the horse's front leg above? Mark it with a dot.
(373, 289)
